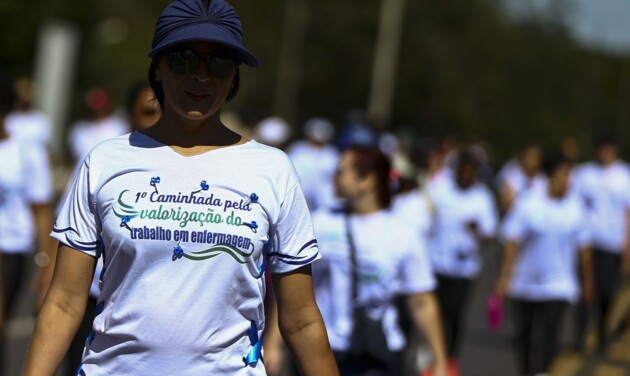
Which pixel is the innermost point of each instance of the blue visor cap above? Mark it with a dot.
(190, 20)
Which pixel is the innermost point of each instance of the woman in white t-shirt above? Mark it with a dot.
(520, 175)
(187, 216)
(465, 217)
(25, 210)
(544, 233)
(604, 186)
(369, 257)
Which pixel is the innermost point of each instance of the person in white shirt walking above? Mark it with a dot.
(544, 233)
(25, 209)
(187, 216)
(315, 160)
(465, 217)
(520, 174)
(368, 257)
(604, 186)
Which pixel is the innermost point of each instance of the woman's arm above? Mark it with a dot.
(61, 312)
(625, 254)
(425, 312)
(509, 257)
(301, 323)
(586, 269)
(272, 340)
(46, 250)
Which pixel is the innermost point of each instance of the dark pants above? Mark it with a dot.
(75, 352)
(607, 269)
(452, 294)
(13, 273)
(538, 327)
(367, 366)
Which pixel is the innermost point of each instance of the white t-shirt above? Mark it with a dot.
(515, 178)
(29, 126)
(84, 135)
(391, 259)
(182, 240)
(24, 180)
(550, 233)
(453, 248)
(316, 167)
(606, 193)
(414, 209)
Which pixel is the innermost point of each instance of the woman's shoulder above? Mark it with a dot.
(270, 153)
(115, 144)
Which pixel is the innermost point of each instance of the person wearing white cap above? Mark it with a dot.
(315, 160)
(273, 131)
(187, 216)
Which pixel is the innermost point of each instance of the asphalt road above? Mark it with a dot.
(484, 353)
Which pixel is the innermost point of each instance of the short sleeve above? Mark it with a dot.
(488, 215)
(76, 224)
(294, 243)
(584, 234)
(416, 274)
(514, 227)
(39, 188)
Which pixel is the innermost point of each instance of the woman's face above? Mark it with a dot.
(195, 93)
(347, 180)
(530, 160)
(466, 175)
(559, 180)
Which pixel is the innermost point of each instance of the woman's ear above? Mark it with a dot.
(235, 86)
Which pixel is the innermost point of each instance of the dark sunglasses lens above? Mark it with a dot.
(181, 62)
(220, 66)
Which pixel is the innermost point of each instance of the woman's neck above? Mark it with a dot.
(555, 193)
(188, 134)
(367, 204)
(3, 131)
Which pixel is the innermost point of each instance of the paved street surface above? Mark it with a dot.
(484, 353)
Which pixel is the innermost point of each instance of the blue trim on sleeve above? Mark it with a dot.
(80, 247)
(310, 243)
(297, 260)
(60, 230)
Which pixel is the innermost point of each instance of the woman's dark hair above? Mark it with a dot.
(553, 160)
(372, 160)
(159, 91)
(7, 94)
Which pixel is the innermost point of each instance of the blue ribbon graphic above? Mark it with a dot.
(255, 354)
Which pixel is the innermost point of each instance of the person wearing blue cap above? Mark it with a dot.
(187, 216)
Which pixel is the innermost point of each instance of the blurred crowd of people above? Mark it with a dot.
(561, 226)
(394, 218)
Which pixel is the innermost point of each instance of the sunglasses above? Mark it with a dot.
(219, 64)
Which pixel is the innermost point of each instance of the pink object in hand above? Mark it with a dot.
(494, 306)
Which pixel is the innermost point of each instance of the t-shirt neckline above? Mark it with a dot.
(205, 153)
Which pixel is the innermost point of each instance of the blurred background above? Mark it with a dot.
(500, 73)
(496, 70)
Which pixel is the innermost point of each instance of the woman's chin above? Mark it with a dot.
(194, 114)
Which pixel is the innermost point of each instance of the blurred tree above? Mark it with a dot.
(464, 68)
